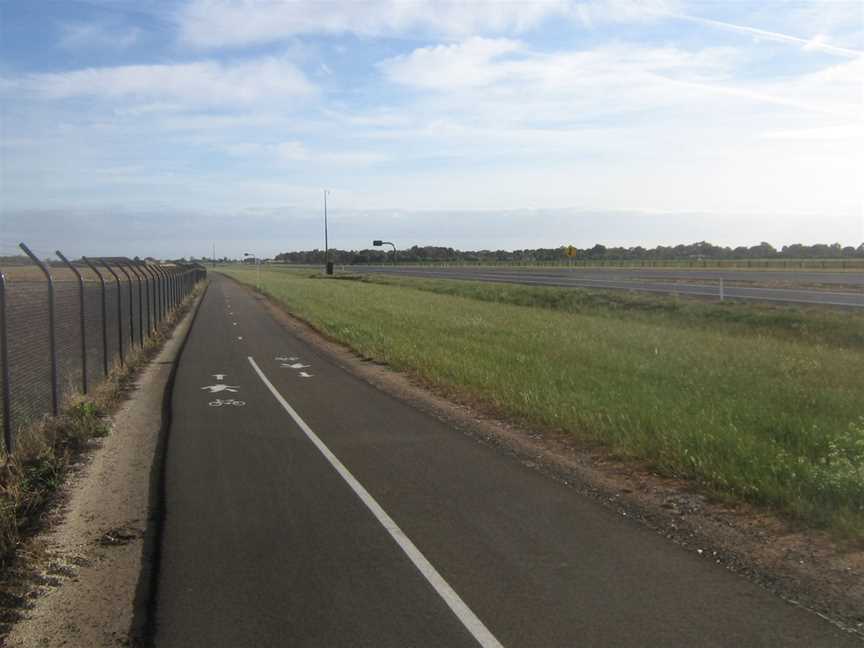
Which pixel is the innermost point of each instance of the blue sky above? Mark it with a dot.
(157, 128)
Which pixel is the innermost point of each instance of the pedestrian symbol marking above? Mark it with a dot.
(296, 365)
(215, 389)
(286, 358)
(303, 374)
(219, 377)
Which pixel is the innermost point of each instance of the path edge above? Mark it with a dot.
(143, 628)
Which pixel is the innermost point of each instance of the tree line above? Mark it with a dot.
(692, 251)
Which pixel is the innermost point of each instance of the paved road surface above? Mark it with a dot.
(847, 288)
(323, 512)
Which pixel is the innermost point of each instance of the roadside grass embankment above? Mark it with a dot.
(847, 264)
(45, 450)
(755, 402)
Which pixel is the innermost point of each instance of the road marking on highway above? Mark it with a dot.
(470, 620)
(239, 337)
(219, 377)
(286, 358)
(296, 365)
(303, 374)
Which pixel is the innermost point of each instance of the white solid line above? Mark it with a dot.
(473, 624)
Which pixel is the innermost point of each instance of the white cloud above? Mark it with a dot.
(97, 35)
(502, 79)
(465, 64)
(841, 132)
(291, 152)
(295, 151)
(817, 43)
(507, 77)
(840, 24)
(238, 23)
(201, 83)
(216, 23)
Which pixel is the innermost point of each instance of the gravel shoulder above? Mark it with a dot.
(84, 567)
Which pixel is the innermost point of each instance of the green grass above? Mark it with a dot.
(833, 265)
(762, 403)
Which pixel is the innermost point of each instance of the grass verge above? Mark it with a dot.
(45, 450)
(759, 403)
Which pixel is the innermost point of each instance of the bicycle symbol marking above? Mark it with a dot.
(228, 401)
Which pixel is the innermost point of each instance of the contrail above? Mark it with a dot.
(775, 36)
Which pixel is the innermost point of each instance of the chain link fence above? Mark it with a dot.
(64, 325)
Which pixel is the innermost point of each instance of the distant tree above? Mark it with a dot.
(597, 252)
(762, 251)
(697, 250)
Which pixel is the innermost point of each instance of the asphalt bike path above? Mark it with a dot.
(324, 512)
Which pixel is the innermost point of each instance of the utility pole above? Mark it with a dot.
(326, 243)
(327, 265)
(213, 258)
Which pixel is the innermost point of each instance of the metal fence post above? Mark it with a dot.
(119, 309)
(169, 295)
(137, 276)
(170, 278)
(8, 436)
(131, 308)
(83, 327)
(154, 293)
(164, 274)
(104, 315)
(151, 295)
(136, 271)
(160, 282)
(148, 285)
(176, 279)
(52, 333)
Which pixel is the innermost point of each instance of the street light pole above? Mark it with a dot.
(257, 268)
(327, 265)
(379, 243)
(326, 242)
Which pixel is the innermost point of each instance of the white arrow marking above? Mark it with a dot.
(296, 365)
(219, 377)
(303, 374)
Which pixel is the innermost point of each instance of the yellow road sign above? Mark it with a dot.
(571, 251)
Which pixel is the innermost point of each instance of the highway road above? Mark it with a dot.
(304, 507)
(797, 287)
